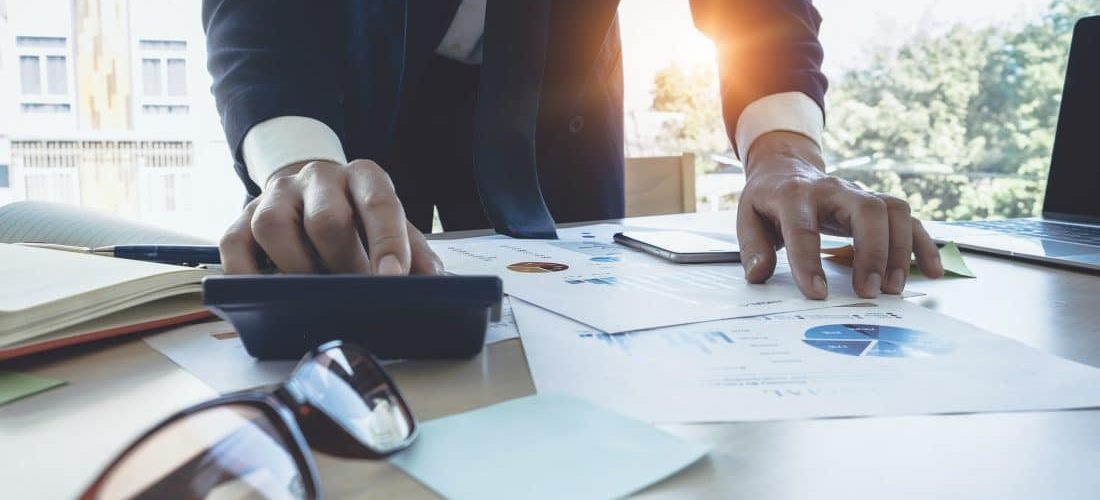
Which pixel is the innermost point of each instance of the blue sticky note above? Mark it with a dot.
(545, 446)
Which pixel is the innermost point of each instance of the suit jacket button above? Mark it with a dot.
(576, 124)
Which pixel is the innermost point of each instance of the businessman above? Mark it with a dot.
(508, 114)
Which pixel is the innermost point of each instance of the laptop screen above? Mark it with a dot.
(1073, 188)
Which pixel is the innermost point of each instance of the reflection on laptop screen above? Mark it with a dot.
(1073, 189)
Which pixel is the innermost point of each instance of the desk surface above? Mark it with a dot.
(53, 443)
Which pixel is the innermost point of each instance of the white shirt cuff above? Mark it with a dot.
(274, 144)
(785, 112)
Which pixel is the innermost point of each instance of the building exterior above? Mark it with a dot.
(106, 104)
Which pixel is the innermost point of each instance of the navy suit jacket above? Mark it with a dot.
(345, 63)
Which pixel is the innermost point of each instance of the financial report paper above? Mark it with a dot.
(894, 358)
(588, 277)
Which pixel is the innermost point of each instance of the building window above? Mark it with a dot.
(44, 74)
(164, 77)
(30, 75)
(49, 169)
(57, 75)
(176, 77)
(5, 177)
(150, 77)
(166, 182)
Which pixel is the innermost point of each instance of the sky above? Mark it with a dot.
(657, 33)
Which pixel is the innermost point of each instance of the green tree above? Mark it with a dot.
(693, 93)
(979, 105)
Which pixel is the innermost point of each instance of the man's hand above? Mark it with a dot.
(326, 217)
(788, 200)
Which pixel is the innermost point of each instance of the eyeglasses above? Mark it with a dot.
(252, 444)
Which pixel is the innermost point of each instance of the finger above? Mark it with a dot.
(900, 246)
(277, 227)
(237, 247)
(867, 219)
(758, 240)
(928, 254)
(383, 218)
(329, 220)
(424, 260)
(798, 223)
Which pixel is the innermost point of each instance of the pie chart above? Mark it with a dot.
(537, 267)
(877, 340)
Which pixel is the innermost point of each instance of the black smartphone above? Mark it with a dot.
(681, 247)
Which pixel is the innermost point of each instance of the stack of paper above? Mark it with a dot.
(662, 342)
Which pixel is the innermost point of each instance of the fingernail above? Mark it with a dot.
(897, 281)
(439, 270)
(873, 284)
(390, 266)
(820, 286)
(753, 262)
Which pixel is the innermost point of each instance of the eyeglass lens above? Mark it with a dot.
(226, 452)
(349, 386)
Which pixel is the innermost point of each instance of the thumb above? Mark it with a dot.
(424, 260)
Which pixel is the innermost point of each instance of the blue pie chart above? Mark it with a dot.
(877, 340)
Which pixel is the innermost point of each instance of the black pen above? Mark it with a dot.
(164, 254)
(184, 255)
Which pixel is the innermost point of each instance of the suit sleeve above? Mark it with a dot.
(765, 47)
(271, 58)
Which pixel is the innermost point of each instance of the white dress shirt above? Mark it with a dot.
(279, 142)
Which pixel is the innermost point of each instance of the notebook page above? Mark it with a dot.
(45, 222)
(36, 276)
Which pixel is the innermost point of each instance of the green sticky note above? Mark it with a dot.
(543, 447)
(952, 261)
(15, 386)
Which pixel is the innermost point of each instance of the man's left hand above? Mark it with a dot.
(790, 201)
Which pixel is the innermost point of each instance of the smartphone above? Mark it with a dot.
(681, 247)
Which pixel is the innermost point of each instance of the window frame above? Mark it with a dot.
(162, 50)
(43, 53)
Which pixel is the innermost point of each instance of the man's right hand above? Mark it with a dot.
(322, 217)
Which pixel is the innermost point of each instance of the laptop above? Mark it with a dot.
(1068, 233)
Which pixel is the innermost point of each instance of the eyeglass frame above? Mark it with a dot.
(295, 418)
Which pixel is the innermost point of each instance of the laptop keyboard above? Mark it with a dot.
(1039, 229)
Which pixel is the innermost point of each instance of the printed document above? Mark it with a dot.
(896, 358)
(587, 277)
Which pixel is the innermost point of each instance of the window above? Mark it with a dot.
(164, 77)
(57, 75)
(43, 74)
(150, 77)
(949, 105)
(30, 75)
(5, 177)
(177, 77)
(49, 169)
